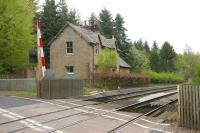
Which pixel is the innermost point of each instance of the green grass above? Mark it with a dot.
(19, 93)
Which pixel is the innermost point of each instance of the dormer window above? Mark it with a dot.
(69, 47)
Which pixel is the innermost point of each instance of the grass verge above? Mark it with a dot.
(18, 93)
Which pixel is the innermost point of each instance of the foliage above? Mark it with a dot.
(53, 18)
(16, 36)
(164, 77)
(139, 45)
(137, 59)
(106, 23)
(167, 58)
(146, 47)
(62, 11)
(93, 22)
(119, 32)
(182, 67)
(116, 79)
(49, 25)
(192, 60)
(155, 58)
(107, 60)
(197, 75)
(74, 16)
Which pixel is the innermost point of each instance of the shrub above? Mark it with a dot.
(123, 80)
(164, 77)
(196, 79)
(107, 60)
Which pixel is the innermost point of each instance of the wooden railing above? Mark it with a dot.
(189, 106)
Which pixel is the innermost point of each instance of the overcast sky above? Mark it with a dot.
(176, 21)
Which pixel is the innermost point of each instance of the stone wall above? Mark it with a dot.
(80, 59)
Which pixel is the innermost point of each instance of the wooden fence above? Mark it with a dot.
(18, 84)
(61, 88)
(189, 106)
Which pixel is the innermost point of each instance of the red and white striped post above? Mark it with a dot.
(40, 48)
(41, 60)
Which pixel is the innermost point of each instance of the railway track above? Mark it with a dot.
(117, 109)
(110, 100)
(92, 110)
(131, 94)
(118, 128)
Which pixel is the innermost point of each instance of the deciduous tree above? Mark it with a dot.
(16, 34)
(107, 60)
(137, 59)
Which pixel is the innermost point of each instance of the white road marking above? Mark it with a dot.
(92, 108)
(150, 128)
(114, 113)
(28, 122)
(156, 123)
(97, 114)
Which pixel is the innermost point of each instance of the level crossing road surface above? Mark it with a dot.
(24, 115)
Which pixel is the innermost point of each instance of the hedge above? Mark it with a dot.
(114, 80)
(164, 77)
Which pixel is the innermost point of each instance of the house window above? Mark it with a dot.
(69, 48)
(97, 51)
(69, 69)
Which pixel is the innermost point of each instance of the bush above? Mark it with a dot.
(164, 77)
(107, 60)
(123, 80)
(196, 79)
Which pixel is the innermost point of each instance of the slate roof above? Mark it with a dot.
(122, 63)
(92, 37)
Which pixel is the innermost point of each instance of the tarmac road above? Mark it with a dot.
(77, 120)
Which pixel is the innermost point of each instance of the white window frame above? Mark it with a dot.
(66, 68)
(68, 47)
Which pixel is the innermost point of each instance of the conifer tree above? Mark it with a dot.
(119, 33)
(106, 23)
(154, 58)
(63, 13)
(139, 44)
(146, 47)
(49, 25)
(167, 57)
(93, 22)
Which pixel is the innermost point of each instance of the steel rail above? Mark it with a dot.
(52, 112)
(118, 128)
(84, 120)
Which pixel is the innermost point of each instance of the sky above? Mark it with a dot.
(175, 21)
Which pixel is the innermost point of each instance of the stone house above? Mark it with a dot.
(74, 50)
